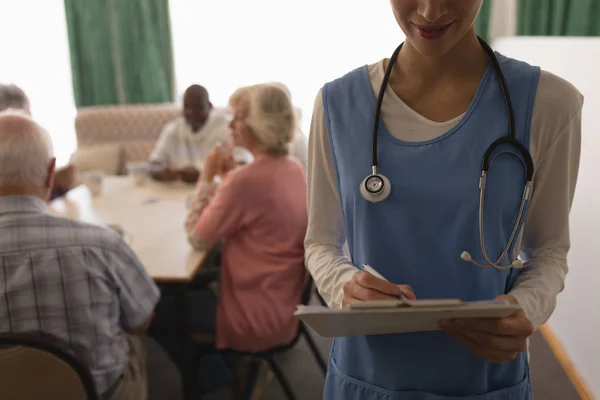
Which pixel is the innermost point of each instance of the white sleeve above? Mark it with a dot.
(325, 237)
(161, 149)
(546, 240)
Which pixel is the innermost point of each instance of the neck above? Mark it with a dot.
(20, 191)
(466, 59)
(194, 129)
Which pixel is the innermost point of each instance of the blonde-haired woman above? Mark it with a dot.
(258, 211)
(299, 145)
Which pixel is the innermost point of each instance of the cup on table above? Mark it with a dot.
(93, 180)
(139, 172)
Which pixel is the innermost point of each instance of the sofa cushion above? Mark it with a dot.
(102, 157)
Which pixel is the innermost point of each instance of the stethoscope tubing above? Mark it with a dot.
(372, 194)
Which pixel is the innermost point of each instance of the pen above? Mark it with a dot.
(372, 271)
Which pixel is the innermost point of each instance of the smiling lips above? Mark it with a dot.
(432, 31)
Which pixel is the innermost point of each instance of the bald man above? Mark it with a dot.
(181, 147)
(78, 282)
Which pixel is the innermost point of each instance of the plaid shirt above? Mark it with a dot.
(76, 281)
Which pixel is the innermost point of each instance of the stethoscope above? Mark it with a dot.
(377, 187)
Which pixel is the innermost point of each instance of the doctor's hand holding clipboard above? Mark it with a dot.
(494, 340)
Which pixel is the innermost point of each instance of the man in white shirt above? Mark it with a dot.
(181, 147)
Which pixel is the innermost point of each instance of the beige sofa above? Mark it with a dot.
(108, 137)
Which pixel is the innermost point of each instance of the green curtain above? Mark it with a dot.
(121, 51)
(482, 23)
(559, 18)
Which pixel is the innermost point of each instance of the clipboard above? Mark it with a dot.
(396, 316)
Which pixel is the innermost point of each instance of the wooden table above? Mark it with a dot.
(152, 217)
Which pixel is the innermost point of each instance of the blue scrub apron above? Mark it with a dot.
(416, 236)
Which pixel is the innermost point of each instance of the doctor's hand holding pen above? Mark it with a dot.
(371, 286)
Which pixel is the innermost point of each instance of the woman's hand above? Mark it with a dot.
(227, 161)
(227, 164)
(365, 286)
(494, 340)
(219, 161)
(212, 165)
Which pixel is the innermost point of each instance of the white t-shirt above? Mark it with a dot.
(555, 146)
(179, 147)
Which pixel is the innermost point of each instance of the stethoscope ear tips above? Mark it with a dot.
(375, 188)
(517, 264)
(466, 256)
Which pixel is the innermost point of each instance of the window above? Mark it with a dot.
(229, 43)
(35, 57)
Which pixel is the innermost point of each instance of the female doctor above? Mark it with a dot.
(449, 169)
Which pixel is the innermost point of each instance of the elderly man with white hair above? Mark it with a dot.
(75, 281)
(13, 97)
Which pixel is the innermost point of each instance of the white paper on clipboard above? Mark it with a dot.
(362, 305)
(378, 318)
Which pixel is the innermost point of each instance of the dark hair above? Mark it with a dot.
(12, 96)
(197, 91)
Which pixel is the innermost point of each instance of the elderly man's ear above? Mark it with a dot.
(51, 173)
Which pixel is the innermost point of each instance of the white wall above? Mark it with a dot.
(576, 320)
(35, 56)
(503, 18)
(229, 43)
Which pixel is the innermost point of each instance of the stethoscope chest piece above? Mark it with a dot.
(375, 188)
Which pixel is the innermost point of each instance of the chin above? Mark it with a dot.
(431, 48)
